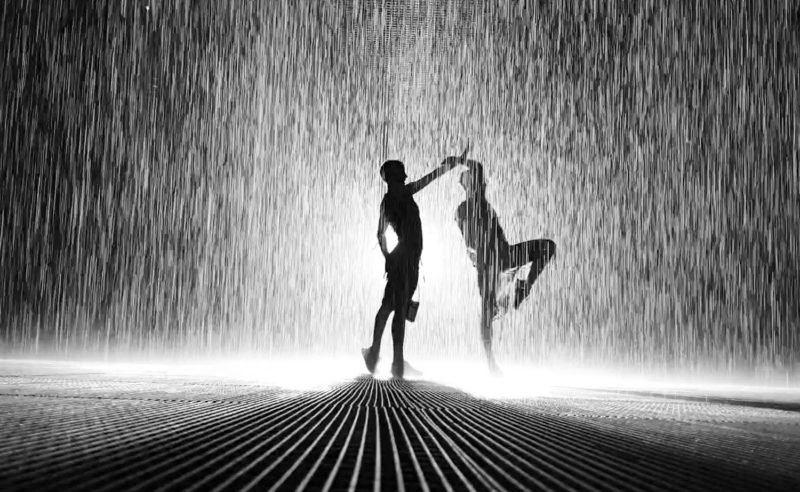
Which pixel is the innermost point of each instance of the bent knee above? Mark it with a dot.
(551, 248)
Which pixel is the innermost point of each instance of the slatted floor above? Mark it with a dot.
(84, 431)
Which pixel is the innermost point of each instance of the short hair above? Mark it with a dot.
(392, 170)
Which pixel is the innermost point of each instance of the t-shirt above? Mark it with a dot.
(402, 213)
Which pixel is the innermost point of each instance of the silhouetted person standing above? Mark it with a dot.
(399, 210)
(496, 260)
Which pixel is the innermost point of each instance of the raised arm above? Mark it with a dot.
(447, 164)
(383, 223)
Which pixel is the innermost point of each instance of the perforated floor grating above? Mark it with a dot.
(92, 432)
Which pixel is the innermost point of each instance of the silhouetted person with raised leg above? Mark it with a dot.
(399, 210)
(495, 259)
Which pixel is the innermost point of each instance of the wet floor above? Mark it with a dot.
(78, 427)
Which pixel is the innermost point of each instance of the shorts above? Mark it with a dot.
(402, 275)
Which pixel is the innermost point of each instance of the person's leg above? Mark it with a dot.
(487, 286)
(398, 338)
(412, 280)
(487, 314)
(381, 318)
(537, 252)
(402, 294)
(371, 353)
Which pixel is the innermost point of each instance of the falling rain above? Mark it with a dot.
(202, 177)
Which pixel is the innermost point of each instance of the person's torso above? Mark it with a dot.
(402, 214)
(482, 233)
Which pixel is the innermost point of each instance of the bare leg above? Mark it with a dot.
(371, 353)
(538, 252)
(486, 334)
(398, 337)
(380, 324)
(401, 301)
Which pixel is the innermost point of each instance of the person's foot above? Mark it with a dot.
(398, 370)
(495, 369)
(411, 371)
(370, 359)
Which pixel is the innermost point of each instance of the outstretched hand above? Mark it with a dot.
(453, 161)
(464, 154)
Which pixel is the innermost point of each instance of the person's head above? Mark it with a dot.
(472, 180)
(393, 171)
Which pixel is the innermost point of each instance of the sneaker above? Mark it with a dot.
(370, 359)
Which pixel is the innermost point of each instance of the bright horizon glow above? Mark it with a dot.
(516, 382)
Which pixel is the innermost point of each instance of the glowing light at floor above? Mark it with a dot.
(515, 382)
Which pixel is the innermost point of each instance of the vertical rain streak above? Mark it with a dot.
(184, 177)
